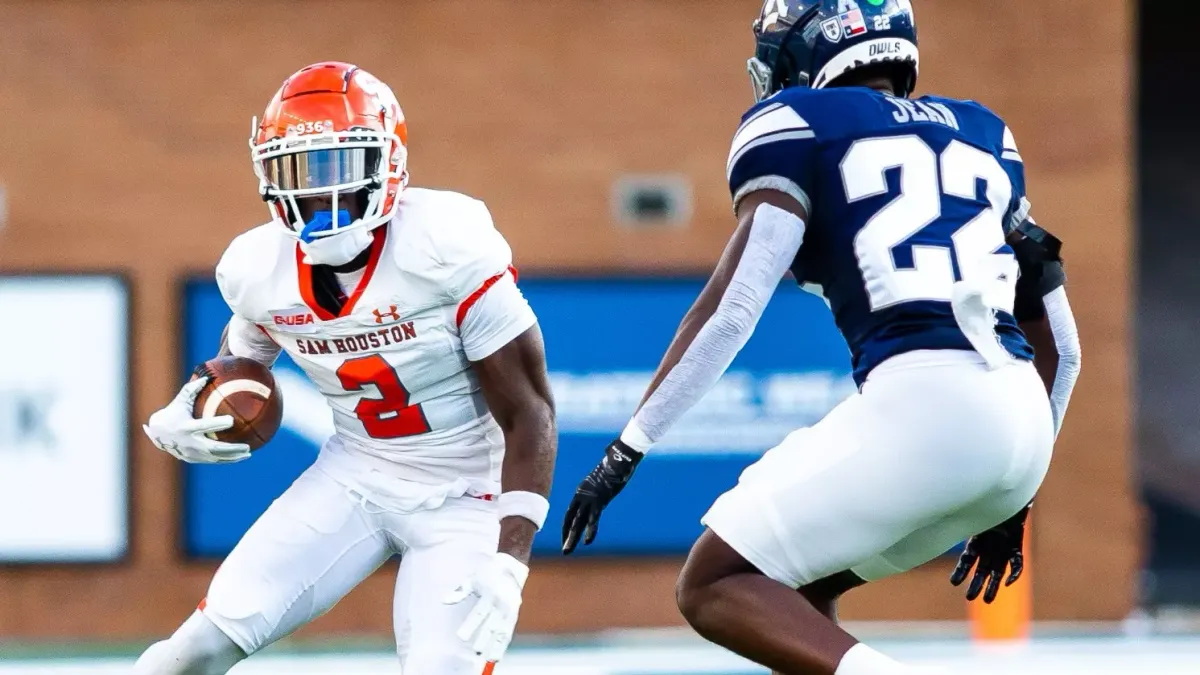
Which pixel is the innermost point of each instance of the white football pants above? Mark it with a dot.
(320, 539)
(934, 449)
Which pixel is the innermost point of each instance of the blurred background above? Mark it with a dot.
(597, 133)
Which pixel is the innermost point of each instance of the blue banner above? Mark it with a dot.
(604, 338)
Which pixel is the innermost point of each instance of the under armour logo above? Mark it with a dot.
(391, 313)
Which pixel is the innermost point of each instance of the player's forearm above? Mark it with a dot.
(1056, 352)
(530, 439)
(699, 314)
(515, 385)
(1066, 343)
(701, 310)
(701, 365)
(700, 355)
(1045, 315)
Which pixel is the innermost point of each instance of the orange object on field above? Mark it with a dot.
(1009, 617)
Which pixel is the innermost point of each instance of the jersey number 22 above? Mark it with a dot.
(924, 178)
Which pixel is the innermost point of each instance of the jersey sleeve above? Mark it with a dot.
(470, 252)
(235, 278)
(251, 258)
(228, 278)
(475, 269)
(494, 317)
(1014, 166)
(774, 149)
(247, 339)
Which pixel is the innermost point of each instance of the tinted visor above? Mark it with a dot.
(321, 168)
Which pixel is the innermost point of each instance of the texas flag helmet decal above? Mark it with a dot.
(853, 23)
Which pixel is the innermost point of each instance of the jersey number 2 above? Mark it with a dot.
(390, 416)
(924, 178)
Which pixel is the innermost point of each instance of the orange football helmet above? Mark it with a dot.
(335, 130)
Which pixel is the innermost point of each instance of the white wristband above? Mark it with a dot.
(528, 505)
(635, 438)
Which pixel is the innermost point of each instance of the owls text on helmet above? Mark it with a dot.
(813, 42)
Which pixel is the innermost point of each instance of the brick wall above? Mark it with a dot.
(123, 131)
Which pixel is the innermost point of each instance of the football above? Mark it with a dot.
(244, 389)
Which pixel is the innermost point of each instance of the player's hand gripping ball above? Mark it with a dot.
(245, 390)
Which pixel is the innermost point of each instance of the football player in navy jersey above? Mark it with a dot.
(909, 215)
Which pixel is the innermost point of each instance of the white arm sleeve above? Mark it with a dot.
(775, 237)
(246, 339)
(494, 319)
(1066, 342)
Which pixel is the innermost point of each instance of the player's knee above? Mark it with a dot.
(700, 605)
(693, 596)
(697, 589)
(197, 648)
(685, 598)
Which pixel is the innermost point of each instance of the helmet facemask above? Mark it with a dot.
(356, 164)
(767, 72)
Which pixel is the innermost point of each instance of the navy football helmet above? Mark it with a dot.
(810, 43)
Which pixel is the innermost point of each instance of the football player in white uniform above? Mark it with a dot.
(401, 305)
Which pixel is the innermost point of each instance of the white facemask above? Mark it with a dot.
(337, 249)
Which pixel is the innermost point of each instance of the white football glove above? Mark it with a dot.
(176, 432)
(491, 624)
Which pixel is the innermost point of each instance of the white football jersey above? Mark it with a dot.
(438, 292)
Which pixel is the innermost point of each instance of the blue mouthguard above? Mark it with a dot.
(322, 221)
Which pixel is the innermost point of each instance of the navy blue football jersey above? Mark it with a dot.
(905, 197)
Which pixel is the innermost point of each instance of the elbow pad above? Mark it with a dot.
(1039, 258)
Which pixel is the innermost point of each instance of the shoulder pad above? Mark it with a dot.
(450, 242)
(250, 258)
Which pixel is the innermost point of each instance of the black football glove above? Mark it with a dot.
(595, 492)
(994, 550)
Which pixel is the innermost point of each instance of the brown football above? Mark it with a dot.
(244, 389)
